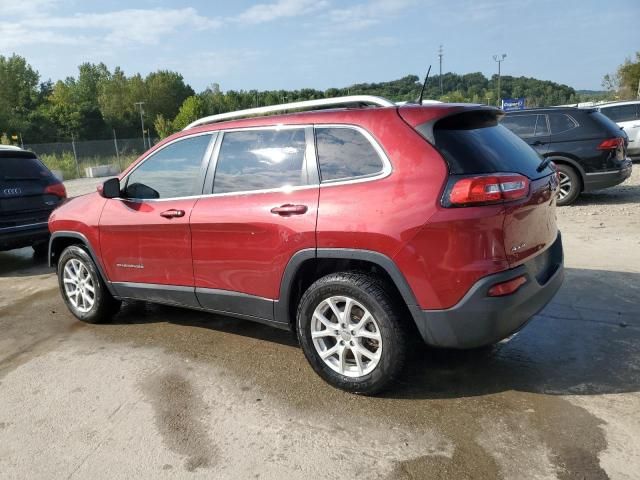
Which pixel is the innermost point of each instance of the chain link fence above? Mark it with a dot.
(89, 158)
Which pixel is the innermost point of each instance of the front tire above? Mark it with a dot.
(351, 332)
(82, 288)
(570, 185)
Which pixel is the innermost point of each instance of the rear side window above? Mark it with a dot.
(621, 113)
(171, 172)
(486, 149)
(560, 122)
(261, 160)
(522, 125)
(345, 153)
(604, 123)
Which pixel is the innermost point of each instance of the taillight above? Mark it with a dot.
(611, 144)
(492, 188)
(56, 189)
(508, 287)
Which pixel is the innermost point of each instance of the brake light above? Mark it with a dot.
(507, 288)
(611, 143)
(56, 189)
(493, 188)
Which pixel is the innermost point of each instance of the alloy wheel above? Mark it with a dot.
(565, 185)
(346, 336)
(79, 286)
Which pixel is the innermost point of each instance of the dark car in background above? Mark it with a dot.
(589, 150)
(28, 194)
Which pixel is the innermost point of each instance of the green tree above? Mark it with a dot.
(629, 75)
(192, 109)
(165, 93)
(18, 93)
(116, 101)
(163, 127)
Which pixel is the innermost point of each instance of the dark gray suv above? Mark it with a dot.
(589, 150)
(28, 194)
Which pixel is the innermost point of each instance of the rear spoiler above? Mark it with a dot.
(450, 116)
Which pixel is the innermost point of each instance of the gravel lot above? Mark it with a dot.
(168, 393)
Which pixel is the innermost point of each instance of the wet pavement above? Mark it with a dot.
(162, 392)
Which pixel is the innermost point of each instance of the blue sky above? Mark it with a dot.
(323, 43)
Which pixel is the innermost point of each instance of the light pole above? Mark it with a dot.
(140, 104)
(499, 59)
(440, 55)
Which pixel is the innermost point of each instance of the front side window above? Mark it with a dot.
(345, 153)
(560, 123)
(171, 172)
(522, 125)
(621, 113)
(261, 160)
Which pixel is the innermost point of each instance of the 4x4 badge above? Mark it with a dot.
(517, 248)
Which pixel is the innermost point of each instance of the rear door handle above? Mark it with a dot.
(537, 143)
(288, 209)
(173, 213)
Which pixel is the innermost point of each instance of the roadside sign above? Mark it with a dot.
(509, 104)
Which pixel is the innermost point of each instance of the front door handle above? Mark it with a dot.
(537, 143)
(173, 213)
(288, 209)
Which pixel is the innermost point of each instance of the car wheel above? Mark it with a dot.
(82, 287)
(570, 184)
(351, 331)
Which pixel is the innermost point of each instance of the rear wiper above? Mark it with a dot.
(543, 164)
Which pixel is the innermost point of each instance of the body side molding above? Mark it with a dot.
(226, 301)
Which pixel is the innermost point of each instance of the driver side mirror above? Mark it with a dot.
(110, 188)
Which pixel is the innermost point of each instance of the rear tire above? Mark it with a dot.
(82, 288)
(351, 332)
(570, 184)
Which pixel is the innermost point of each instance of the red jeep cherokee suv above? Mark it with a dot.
(356, 227)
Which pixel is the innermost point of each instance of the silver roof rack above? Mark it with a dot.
(365, 100)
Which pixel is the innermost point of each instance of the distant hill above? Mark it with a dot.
(470, 87)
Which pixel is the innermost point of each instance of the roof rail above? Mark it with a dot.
(361, 100)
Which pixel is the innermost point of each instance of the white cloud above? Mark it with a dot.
(31, 26)
(209, 67)
(12, 8)
(365, 15)
(133, 25)
(267, 12)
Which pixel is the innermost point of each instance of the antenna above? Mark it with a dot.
(424, 85)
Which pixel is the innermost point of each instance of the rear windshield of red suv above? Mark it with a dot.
(483, 147)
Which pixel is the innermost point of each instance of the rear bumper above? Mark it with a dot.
(23, 236)
(598, 180)
(479, 320)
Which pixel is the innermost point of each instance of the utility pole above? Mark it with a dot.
(140, 104)
(499, 59)
(440, 55)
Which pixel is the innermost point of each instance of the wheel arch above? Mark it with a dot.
(572, 162)
(306, 266)
(63, 239)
